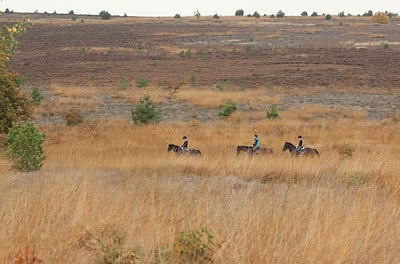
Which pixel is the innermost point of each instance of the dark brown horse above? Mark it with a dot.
(179, 150)
(249, 150)
(306, 151)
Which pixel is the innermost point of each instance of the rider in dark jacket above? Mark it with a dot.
(300, 147)
(185, 145)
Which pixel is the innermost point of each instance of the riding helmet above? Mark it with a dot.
(184, 137)
(299, 137)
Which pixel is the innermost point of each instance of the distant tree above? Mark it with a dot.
(7, 11)
(55, 12)
(369, 13)
(125, 15)
(216, 16)
(239, 12)
(280, 14)
(304, 13)
(349, 15)
(328, 17)
(248, 15)
(256, 14)
(197, 14)
(71, 12)
(105, 15)
(177, 16)
(341, 14)
(314, 14)
(272, 16)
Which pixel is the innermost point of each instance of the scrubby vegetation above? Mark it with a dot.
(280, 14)
(228, 109)
(36, 95)
(105, 15)
(24, 147)
(304, 13)
(328, 17)
(142, 82)
(146, 111)
(272, 113)
(239, 12)
(381, 17)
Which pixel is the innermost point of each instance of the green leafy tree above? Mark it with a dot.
(105, 15)
(280, 14)
(146, 111)
(304, 13)
(239, 12)
(314, 14)
(24, 147)
(328, 17)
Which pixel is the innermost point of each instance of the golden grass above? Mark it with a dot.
(262, 209)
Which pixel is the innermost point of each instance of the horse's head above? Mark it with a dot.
(286, 146)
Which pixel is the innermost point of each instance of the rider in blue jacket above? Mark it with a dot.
(256, 144)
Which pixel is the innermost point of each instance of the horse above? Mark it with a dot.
(249, 150)
(179, 150)
(306, 152)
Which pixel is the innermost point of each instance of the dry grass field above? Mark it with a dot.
(109, 189)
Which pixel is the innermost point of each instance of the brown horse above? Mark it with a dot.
(306, 152)
(249, 150)
(179, 150)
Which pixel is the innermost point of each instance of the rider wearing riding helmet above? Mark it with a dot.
(185, 145)
(300, 147)
(256, 144)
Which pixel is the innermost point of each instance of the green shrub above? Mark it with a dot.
(280, 14)
(123, 84)
(223, 85)
(146, 111)
(228, 109)
(346, 151)
(14, 106)
(21, 80)
(386, 46)
(195, 245)
(177, 16)
(24, 147)
(197, 14)
(314, 14)
(36, 96)
(239, 12)
(192, 81)
(73, 18)
(328, 17)
(272, 113)
(304, 13)
(125, 15)
(341, 14)
(7, 11)
(256, 14)
(105, 15)
(71, 12)
(368, 14)
(216, 16)
(142, 82)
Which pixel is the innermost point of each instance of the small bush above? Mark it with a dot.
(239, 12)
(216, 16)
(272, 113)
(223, 85)
(105, 15)
(304, 13)
(21, 80)
(381, 18)
(256, 14)
(346, 151)
(24, 147)
(195, 245)
(73, 118)
(123, 84)
(328, 17)
(36, 96)
(272, 16)
(341, 14)
(73, 18)
(369, 13)
(71, 12)
(205, 56)
(142, 82)
(228, 109)
(186, 53)
(125, 15)
(177, 16)
(280, 14)
(197, 14)
(192, 81)
(7, 11)
(314, 14)
(244, 85)
(146, 111)
(386, 46)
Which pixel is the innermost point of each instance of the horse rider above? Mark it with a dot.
(185, 145)
(300, 147)
(256, 144)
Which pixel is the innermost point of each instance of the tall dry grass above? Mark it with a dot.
(262, 209)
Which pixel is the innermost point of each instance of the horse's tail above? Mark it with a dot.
(316, 152)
